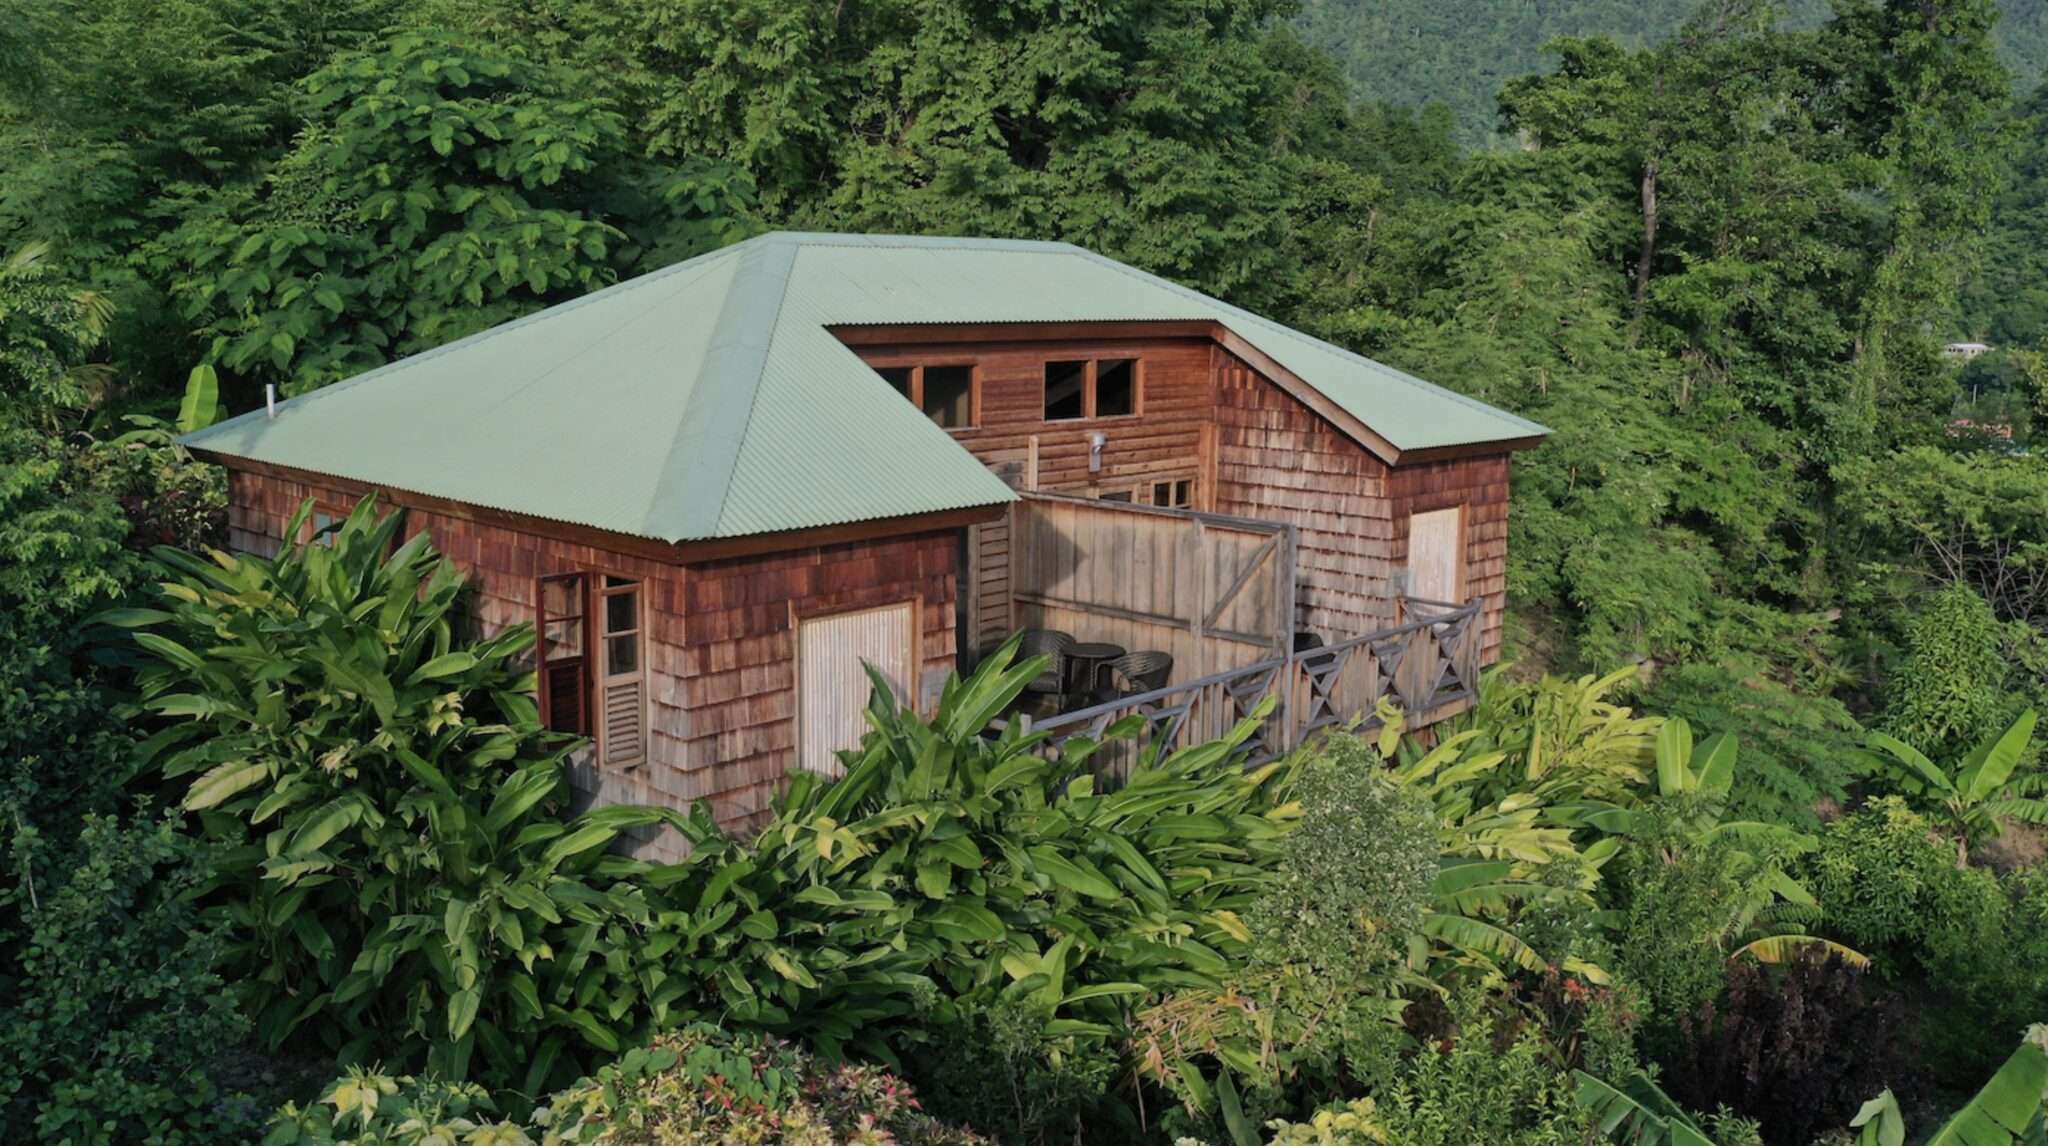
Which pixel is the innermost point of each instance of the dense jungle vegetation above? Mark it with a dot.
(1740, 848)
(1457, 53)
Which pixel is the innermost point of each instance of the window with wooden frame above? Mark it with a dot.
(563, 652)
(1178, 493)
(945, 391)
(1085, 388)
(593, 663)
(323, 523)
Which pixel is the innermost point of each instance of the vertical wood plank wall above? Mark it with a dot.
(720, 644)
(1163, 442)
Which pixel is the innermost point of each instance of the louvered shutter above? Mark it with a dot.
(622, 689)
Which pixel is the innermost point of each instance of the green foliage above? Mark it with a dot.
(1977, 795)
(1965, 945)
(1355, 875)
(110, 1008)
(2011, 1108)
(1949, 689)
(1973, 519)
(398, 872)
(698, 1086)
(436, 189)
(1482, 1087)
(952, 883)
(1800, 752)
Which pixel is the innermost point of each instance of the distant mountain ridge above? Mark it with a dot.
(1458, 52)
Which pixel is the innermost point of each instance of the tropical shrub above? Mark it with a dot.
(1316, 1002)
(1797, 1047)
(110, 1008)
(697, 1085)
(1949, 690)
(398, 870)
(1486, 1084)
(1966, 948)
(1800, 752)
(1975, 796)
(951, 881)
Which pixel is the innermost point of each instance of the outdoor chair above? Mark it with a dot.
(1052, 643)
(1146, 671)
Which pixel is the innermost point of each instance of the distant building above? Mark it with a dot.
(1965, 350)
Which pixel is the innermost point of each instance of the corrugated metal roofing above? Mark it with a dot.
(709, 400)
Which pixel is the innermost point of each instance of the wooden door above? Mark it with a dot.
(1436, 555)
(832, 691)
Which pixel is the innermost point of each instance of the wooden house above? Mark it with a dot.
(718, 488)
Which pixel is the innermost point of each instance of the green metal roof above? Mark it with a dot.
(709, 399)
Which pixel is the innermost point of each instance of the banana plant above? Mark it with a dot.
(1978, 794)
(1492, 850)
(1637, 1112)
(2011, 1109)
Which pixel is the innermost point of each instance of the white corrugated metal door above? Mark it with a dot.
(832, 689)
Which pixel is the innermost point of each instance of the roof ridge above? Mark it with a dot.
(942, 242)
(705, 450)
(1288, 331)
(700, 263)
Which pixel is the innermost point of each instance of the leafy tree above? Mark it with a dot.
(1950, 688)
(435, 190)
(1975, 796)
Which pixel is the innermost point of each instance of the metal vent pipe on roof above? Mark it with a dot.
(270, 398)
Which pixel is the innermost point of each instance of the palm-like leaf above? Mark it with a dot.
(2010, 1106)
(1985, 770)
(1785, 948)
(1913, 763)
(1637, 1112)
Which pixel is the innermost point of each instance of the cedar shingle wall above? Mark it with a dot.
(737, 675)
(1277, 460)
(721, 679)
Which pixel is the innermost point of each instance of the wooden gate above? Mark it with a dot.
(1215, 592)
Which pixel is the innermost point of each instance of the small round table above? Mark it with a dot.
(1084, 664)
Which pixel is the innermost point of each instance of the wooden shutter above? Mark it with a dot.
(1436, 555)
(833, 691)
(622, 731)
(563, 653)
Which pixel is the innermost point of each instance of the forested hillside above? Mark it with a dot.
(288, 856)
(1459, 52)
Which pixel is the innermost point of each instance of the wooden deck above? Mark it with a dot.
(1219, 594)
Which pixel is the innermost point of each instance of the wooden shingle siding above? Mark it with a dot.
(1277, 460)
(738, 671)
(719, 640)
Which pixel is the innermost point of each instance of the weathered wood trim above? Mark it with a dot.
(932, 333)
(688, 552)
(1309, 396)
(1471, 450)
(1124, 614)
(549, 528)
(752, 545)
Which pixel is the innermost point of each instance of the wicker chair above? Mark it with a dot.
(1145, 671)
(1052, 643)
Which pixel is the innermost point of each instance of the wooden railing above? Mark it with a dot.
(1428, 665)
